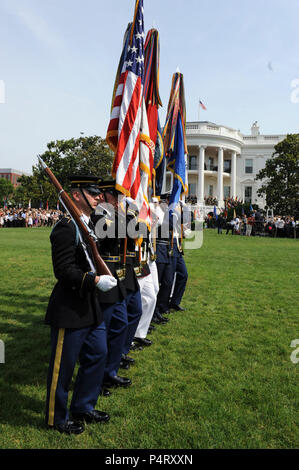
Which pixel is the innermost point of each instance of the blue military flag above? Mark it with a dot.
(177, 163)
(174, 137)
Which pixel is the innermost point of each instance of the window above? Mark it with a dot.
(227, 166)
(210, 189)
(226, 192)
(211, 164)
(192, 162)
(248, 194)
(192, 189)
(248, 165)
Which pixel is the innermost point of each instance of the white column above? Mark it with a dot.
(201, 175)
(233, 175)
(220, 177)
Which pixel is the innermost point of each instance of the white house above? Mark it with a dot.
(222, 162)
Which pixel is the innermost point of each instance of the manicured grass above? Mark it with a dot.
(217, 376)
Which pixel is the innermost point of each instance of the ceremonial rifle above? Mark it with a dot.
(89, 236)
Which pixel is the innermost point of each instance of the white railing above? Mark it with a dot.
(262, 138)
(223, 131)
(204, 128)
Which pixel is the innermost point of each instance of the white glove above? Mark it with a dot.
(188, 233)
(106, 283)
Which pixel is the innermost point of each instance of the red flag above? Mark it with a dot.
(151, 87)
(202, 105)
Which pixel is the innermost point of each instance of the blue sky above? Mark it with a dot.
(58, 61)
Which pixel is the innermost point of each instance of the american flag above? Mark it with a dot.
(202, 105)
(123, 134)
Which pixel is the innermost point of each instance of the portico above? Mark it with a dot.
(212, 161)
(222, 163)
(216, 167)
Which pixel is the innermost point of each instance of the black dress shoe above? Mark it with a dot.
(128, 359)
(69, 427)
(124, 365)
(162, 318)
(151, 328)
(93, 416)
(158, 321)
(105, 392)
(136, 347)
(143, 341)
(117, 381)
(177, 308)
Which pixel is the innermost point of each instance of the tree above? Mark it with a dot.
(281, 177)
(6, 189)
(85, 155)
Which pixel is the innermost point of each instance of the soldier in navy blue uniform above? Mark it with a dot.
(163, 262)
(179, 270)
(76, 320)
(108, 218)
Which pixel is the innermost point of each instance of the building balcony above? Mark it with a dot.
(209, 128)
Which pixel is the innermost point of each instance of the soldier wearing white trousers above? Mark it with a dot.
(149, 288)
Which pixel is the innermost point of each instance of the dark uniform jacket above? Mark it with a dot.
(74, 302)
(132, 261)
(145, 249)
(175, 229)
(162, 242)
(110, 250)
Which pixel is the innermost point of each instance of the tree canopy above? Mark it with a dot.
(280, 177)
(85, 155)
(6, 189)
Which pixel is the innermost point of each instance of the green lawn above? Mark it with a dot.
(217, 376)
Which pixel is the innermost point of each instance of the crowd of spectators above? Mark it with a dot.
(256, 224)
(253, 225)
(29, 218)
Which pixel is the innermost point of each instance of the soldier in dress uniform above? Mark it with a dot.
(163, 261)
(179, 270)
(76, 320)
(108, 220)
(148, 283)
(133, 271)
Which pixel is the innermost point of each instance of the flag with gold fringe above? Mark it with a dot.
(174, 137)
(159, 163)
(123, 134)
(151, 91)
